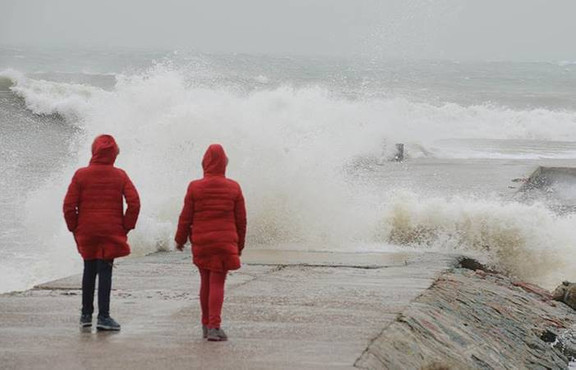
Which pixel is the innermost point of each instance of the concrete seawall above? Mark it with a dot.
(293, 310)
(477, 320)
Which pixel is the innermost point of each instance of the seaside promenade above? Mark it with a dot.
(283, 310)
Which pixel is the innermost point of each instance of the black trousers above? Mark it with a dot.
(102, 269)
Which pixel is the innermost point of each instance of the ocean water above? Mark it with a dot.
(309, 139)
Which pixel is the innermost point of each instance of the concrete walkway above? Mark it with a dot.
(278, 313)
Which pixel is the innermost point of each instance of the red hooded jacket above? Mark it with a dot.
(214, 216)
(94, 204)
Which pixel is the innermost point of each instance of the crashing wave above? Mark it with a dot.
(288, 147)
(42, 97)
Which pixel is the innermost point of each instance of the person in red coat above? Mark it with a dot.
(214, 218)
(94, 213)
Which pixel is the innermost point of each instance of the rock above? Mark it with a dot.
(567, 344)
(560, 291)
(548, 336)
(472, 264)
(566, 292)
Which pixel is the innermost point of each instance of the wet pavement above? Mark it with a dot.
(283, 310)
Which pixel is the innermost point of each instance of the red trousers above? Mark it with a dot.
(211, 297)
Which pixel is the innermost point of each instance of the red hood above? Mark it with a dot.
(215, 161)
(104, 150)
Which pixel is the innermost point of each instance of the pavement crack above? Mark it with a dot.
(369, 267)
(277, 268)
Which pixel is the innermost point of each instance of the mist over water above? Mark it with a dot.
(310, 151)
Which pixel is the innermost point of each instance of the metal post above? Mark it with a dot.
(399, 156)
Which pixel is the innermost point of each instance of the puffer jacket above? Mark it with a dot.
(94, 204)
(214, 216)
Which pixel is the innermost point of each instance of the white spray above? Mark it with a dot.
(288, 148)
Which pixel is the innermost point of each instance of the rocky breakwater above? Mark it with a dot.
(474, 318)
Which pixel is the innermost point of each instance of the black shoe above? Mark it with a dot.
(107, 323)
(85, 320)
(216, 335)
(204, 331)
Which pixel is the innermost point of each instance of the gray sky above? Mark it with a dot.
(453, 29)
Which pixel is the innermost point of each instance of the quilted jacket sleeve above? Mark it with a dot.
(240, 216)
(71, 204)
(186, 218)
(133, 201)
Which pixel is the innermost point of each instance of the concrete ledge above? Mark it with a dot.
(544, 177)
(333, 259)
(551, 185)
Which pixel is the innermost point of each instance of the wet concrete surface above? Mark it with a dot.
(278, 313)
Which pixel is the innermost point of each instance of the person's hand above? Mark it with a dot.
(180, 247)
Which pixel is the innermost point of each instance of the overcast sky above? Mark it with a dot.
(452, 29)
